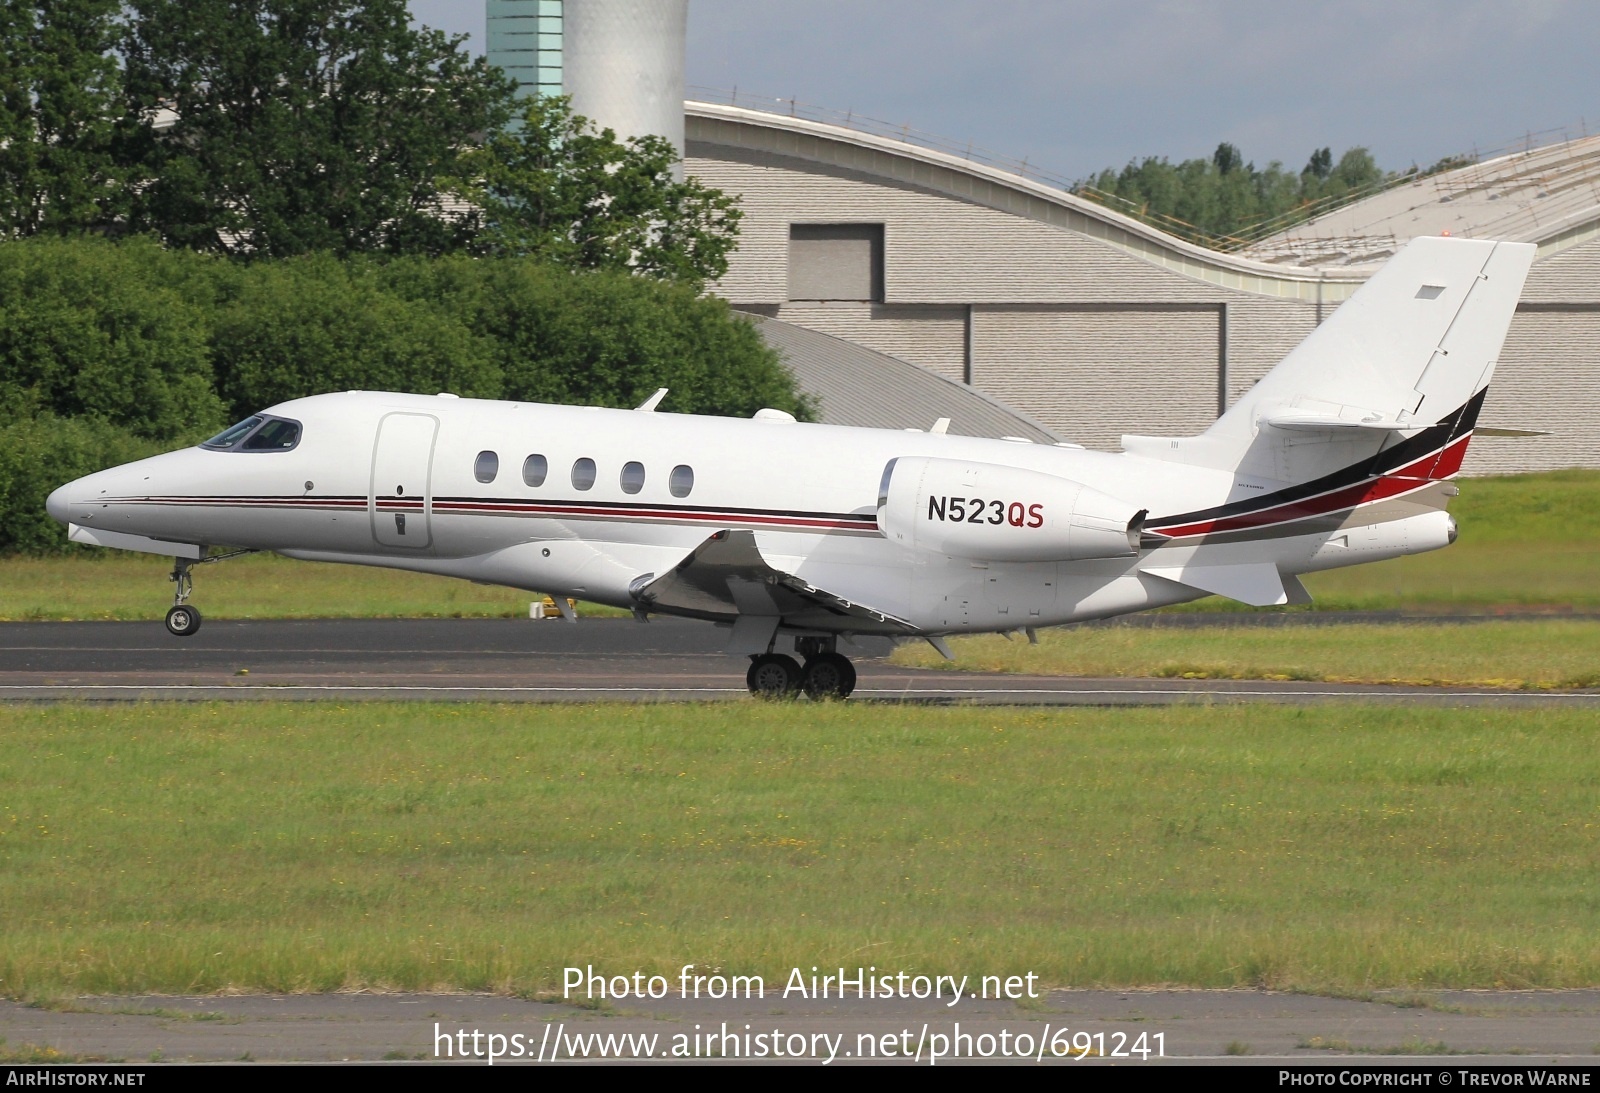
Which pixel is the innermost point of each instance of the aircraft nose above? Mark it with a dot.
(59, 503)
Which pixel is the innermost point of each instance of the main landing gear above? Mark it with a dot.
(825, 674)
(183, 618)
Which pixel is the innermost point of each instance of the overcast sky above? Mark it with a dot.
(1079, 86)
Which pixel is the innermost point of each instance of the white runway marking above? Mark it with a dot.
(864, 692)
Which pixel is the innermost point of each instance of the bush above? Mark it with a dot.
(305, 326)
(90, 328)
(605, 338)
(111, 352)
(39, 454)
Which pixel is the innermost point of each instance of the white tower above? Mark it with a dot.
(623, 64)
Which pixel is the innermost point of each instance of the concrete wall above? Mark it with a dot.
(1093, 341)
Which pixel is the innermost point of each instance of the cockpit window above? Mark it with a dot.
(277, 435)
(258, 433)
(229, 438)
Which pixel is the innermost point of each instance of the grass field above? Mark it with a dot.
(1542, 654)
(120, 585)
(192, 848)
(1528, 543)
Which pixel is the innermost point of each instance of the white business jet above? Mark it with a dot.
(800, 537)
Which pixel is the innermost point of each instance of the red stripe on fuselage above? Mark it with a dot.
(1430, 468)
(532, 509)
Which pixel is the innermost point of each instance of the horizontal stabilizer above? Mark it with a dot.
(1298, 420)
(1513, 434)
(1257, 584)
(726, 577)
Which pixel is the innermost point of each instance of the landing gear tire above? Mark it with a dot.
(183, 621)
(773, 675)
(829, 675)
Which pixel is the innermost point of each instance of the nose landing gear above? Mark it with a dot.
(183, 618)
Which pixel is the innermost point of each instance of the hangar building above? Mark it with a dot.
(1097, 325)
(1024, 310)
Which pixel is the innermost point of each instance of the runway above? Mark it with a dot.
(516, 660)
(1387, 1028)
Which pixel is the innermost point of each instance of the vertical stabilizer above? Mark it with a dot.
(1411, 352)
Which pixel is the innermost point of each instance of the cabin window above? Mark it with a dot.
(583, 474)
(486, 466)
(632, 477)
(681, 481)
(277, 435)
(534, 469)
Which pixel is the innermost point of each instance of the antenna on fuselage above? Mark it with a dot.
(649, 404)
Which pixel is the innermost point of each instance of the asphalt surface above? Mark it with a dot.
(1459, 1028)
(541, 661)
(619, 660)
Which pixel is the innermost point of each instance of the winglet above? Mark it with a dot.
(649, 404)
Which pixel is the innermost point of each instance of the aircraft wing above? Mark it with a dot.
(726, 577)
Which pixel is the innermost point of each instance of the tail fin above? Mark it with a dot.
(1404, 363)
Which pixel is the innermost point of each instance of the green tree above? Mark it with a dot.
(270, 128)
(556, 188)
(40, 453)
(604, 337)
(117, 333)
(1220, 200)
(312, 324)
(59, 87)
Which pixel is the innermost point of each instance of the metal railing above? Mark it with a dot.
(1245, 237)
(877, 127)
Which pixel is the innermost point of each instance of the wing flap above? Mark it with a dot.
(726, 577)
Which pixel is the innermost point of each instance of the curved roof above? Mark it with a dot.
(986, 184)
(1549, 196)
(860, 386)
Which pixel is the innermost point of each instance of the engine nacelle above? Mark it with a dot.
(1003, 514)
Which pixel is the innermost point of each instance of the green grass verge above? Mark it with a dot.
(1539, 654)
(192, 848)
(121, 585)
(1528, 543)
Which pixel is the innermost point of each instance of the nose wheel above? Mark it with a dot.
(183, 620)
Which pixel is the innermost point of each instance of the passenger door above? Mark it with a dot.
(400, 496)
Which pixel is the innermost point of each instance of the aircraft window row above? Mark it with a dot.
(536, 468)
(257, 433)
